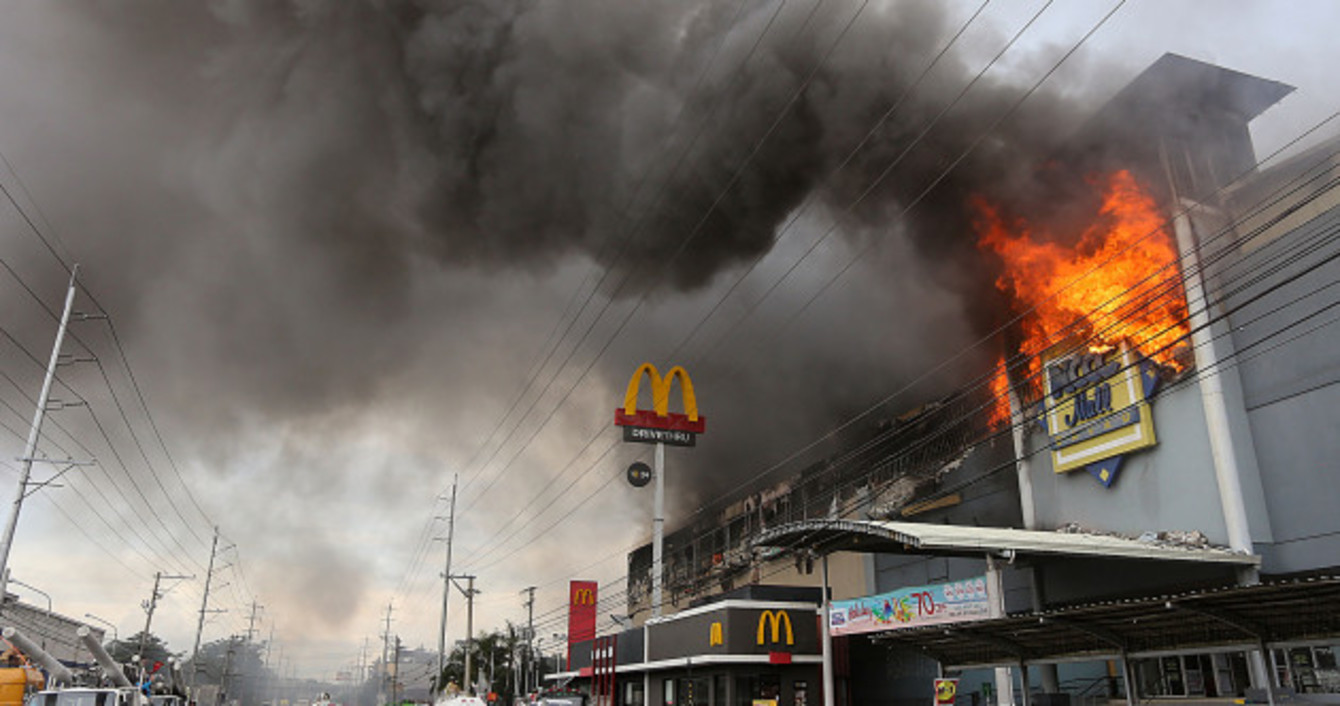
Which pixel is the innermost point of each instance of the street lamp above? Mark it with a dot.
(34, 589)
(115, 637)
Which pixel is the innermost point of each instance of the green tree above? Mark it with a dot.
(124, 651)
(493, 654)
(235, 665)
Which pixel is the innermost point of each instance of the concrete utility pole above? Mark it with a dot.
(204, 608)
(149, 607)
(251, 621)
(363, 662)
(227, 669)
(395, 673)
(530, 637)
(470, 593)
(446, 590)
(269, 645)
(386, 648)
(34, 433)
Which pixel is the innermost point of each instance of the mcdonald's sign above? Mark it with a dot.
(775, 620)
(659, 424)
(582, 599)
(714, 636)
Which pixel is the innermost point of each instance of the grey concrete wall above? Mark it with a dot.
(1289, 377)
(1168, 487)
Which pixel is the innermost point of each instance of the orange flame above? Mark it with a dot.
(1119, 284)
(998, 416)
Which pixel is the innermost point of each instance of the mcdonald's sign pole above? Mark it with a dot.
(658, 531)
(659, 426)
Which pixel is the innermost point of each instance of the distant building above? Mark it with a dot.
(54, 632)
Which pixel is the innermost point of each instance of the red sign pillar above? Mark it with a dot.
(582, 598)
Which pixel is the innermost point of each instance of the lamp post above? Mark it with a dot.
(44, 594)
(34, 589)
(116, 637)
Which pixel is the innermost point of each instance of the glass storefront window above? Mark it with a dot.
(632, 693)
(801, 690)
(760, 687)
(1172, 676)
(692, 692)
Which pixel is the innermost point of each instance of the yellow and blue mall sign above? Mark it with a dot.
(1097, 410)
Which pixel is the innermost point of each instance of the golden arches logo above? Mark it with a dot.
(660, 391)
(583, 596)
(776, 620)
(714, 636)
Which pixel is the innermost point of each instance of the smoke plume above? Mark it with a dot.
(348, 227)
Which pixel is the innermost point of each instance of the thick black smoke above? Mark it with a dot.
(516, 133)
(324, 221)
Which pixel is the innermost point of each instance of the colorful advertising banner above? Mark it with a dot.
(912, 607)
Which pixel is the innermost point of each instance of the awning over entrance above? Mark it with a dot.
(1240, 617)
(957, 540)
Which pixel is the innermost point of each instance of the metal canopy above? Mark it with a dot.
(1240, 617)
(958, 540)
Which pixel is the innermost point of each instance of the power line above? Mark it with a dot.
(1309, 198)
(1055, 66)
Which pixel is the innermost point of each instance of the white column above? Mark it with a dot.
(830, 692)
(995, 591)
(658, 531)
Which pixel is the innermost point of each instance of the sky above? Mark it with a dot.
(350, 251)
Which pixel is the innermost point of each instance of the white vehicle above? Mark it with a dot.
(461, 700)
(116, 696)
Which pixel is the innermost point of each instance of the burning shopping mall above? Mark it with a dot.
(1137, 502)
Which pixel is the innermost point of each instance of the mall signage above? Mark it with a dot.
(1097, 410)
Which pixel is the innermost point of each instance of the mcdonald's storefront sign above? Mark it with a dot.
(583, 596)
(775, 620)
(777, 631)
(659, 424)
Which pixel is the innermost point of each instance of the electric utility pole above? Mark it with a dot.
(446, 590)
(227, 669)
(204, 608)
(34, 433)
(395, 673)
(530, 637)
(251, 621)
(470, 593)
(149, 607)
(386, 643)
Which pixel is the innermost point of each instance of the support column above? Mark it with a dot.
(1132, 686)
(830, 693)
(1051, 682)
(995, 588)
